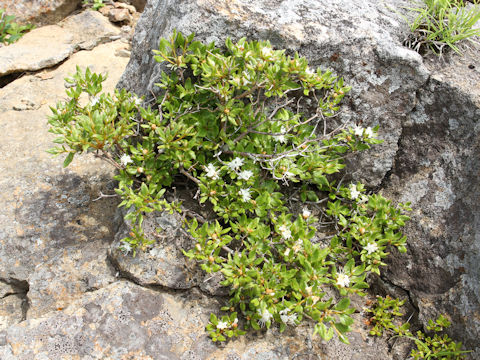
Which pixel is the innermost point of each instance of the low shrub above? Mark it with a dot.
(247, 128)
(386, 317)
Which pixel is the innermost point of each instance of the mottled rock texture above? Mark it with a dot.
(126, 321)
(437, 168)
(428, 114)
(163, 263)
(53, 235)
(31, 52)
(39, 12)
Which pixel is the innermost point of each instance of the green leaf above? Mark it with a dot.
(68, 159)
(342, 304)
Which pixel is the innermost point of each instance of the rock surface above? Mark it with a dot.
(54, 237)
(437, 170)
(163, 263)
(66, 291)
(428, 114)
(126, 321)
(82, 31)
(39, 12)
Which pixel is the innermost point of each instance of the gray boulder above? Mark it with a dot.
(40, 12)
(436, 169)
(359, 40)
(427, 111)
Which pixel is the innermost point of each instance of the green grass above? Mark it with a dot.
(443, 23)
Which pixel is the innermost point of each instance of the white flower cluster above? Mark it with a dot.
(125, 160)
(267, 52)
(371, 247)
(138, 101)
(245, 175)
(285, 232)
(265, 317)
(342, 279)
(367, 132)
(126, 247)
(222, 325)
(306, 213)
(212, 172)
(235, 164)
(288, 319)
(354, 193)
(94, 100)
(245, 194)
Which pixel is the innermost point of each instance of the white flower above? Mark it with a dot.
(245, 194)
(125, 159)
(265, 316)
(126, 247)
(309, 71)
(245, 175)
(137, 101)
(297, 246)
(266, 51)
(354, 193)
(287, 252)
(289, 175)
(222, 325)
(363, 199)
(371, 247)
(235, 164)
(94, 100)
(288, 319)
(306, 213)
(342, 279)
(358, 130)
(285, 232)
(212, 171)
(368, 132)
(281, 138)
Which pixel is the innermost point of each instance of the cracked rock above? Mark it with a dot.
(127, 321)
(163, 263)
(82, 31)
(11, 310)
